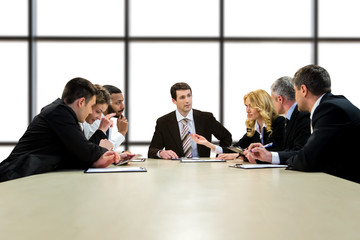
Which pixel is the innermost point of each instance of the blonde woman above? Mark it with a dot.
(263, 125)
(102, 103)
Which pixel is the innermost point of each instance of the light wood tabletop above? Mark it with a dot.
(175, 200)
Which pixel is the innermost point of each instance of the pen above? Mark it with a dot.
(266, 146)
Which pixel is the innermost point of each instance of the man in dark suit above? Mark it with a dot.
(335, 124)
(54, 139)
(172, 130)
(297, 129)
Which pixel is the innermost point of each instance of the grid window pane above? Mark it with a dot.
(342, 63)
(101, 63)
(13, 17)
(80, 17)
(253, 66)
(14, 94)
(268, 18)
(339, 18)
(155, 67)
(5, 152)
(139, 150)
(174, 18)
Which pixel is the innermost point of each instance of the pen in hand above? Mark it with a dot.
(266, 146)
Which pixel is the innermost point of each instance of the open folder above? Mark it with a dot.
(115, 169)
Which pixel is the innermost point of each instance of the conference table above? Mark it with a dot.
(175, 200)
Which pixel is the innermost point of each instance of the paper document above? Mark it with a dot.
(253, 166)
(116, 169)
(195, 160)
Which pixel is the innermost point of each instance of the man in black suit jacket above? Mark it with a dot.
(297, 129)
(335, 124)
(167, 130)
(54, 138)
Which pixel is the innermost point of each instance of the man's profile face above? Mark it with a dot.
(300, 99)
(183, 101)
(117, 104)
(86, 109)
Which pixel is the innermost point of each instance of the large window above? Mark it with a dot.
(222, 48)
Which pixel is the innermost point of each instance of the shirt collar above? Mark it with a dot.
(180, 117)
(81, 126)
(290, 111)
(257, 127)
(316, 105)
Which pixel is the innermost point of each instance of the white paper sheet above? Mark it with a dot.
(253, 166)
(195, 160)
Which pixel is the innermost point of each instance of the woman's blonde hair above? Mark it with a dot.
(102, 95)
(262, 102)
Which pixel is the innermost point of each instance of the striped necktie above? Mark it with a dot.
(185, 138)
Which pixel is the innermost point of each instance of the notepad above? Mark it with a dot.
(116, 169)
(254, 166)
(198, 160)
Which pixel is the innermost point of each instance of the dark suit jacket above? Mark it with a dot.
(53, 140)
(97, 137)
(332, 147)
(297, 132)
(276, 137)
(167, 134)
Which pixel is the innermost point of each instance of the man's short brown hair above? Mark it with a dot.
(178, 86)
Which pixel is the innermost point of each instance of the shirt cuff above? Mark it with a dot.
(118, 140)
(218, 150)
(275, 158)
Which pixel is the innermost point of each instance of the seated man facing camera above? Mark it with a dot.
(172, 130)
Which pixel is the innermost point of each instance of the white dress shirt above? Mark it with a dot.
(260, 131)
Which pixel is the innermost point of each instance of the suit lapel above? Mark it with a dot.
(290, 124)
(199, 128)
(174, 131)
(197, 123)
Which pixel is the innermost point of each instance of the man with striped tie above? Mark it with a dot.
(172, 130)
